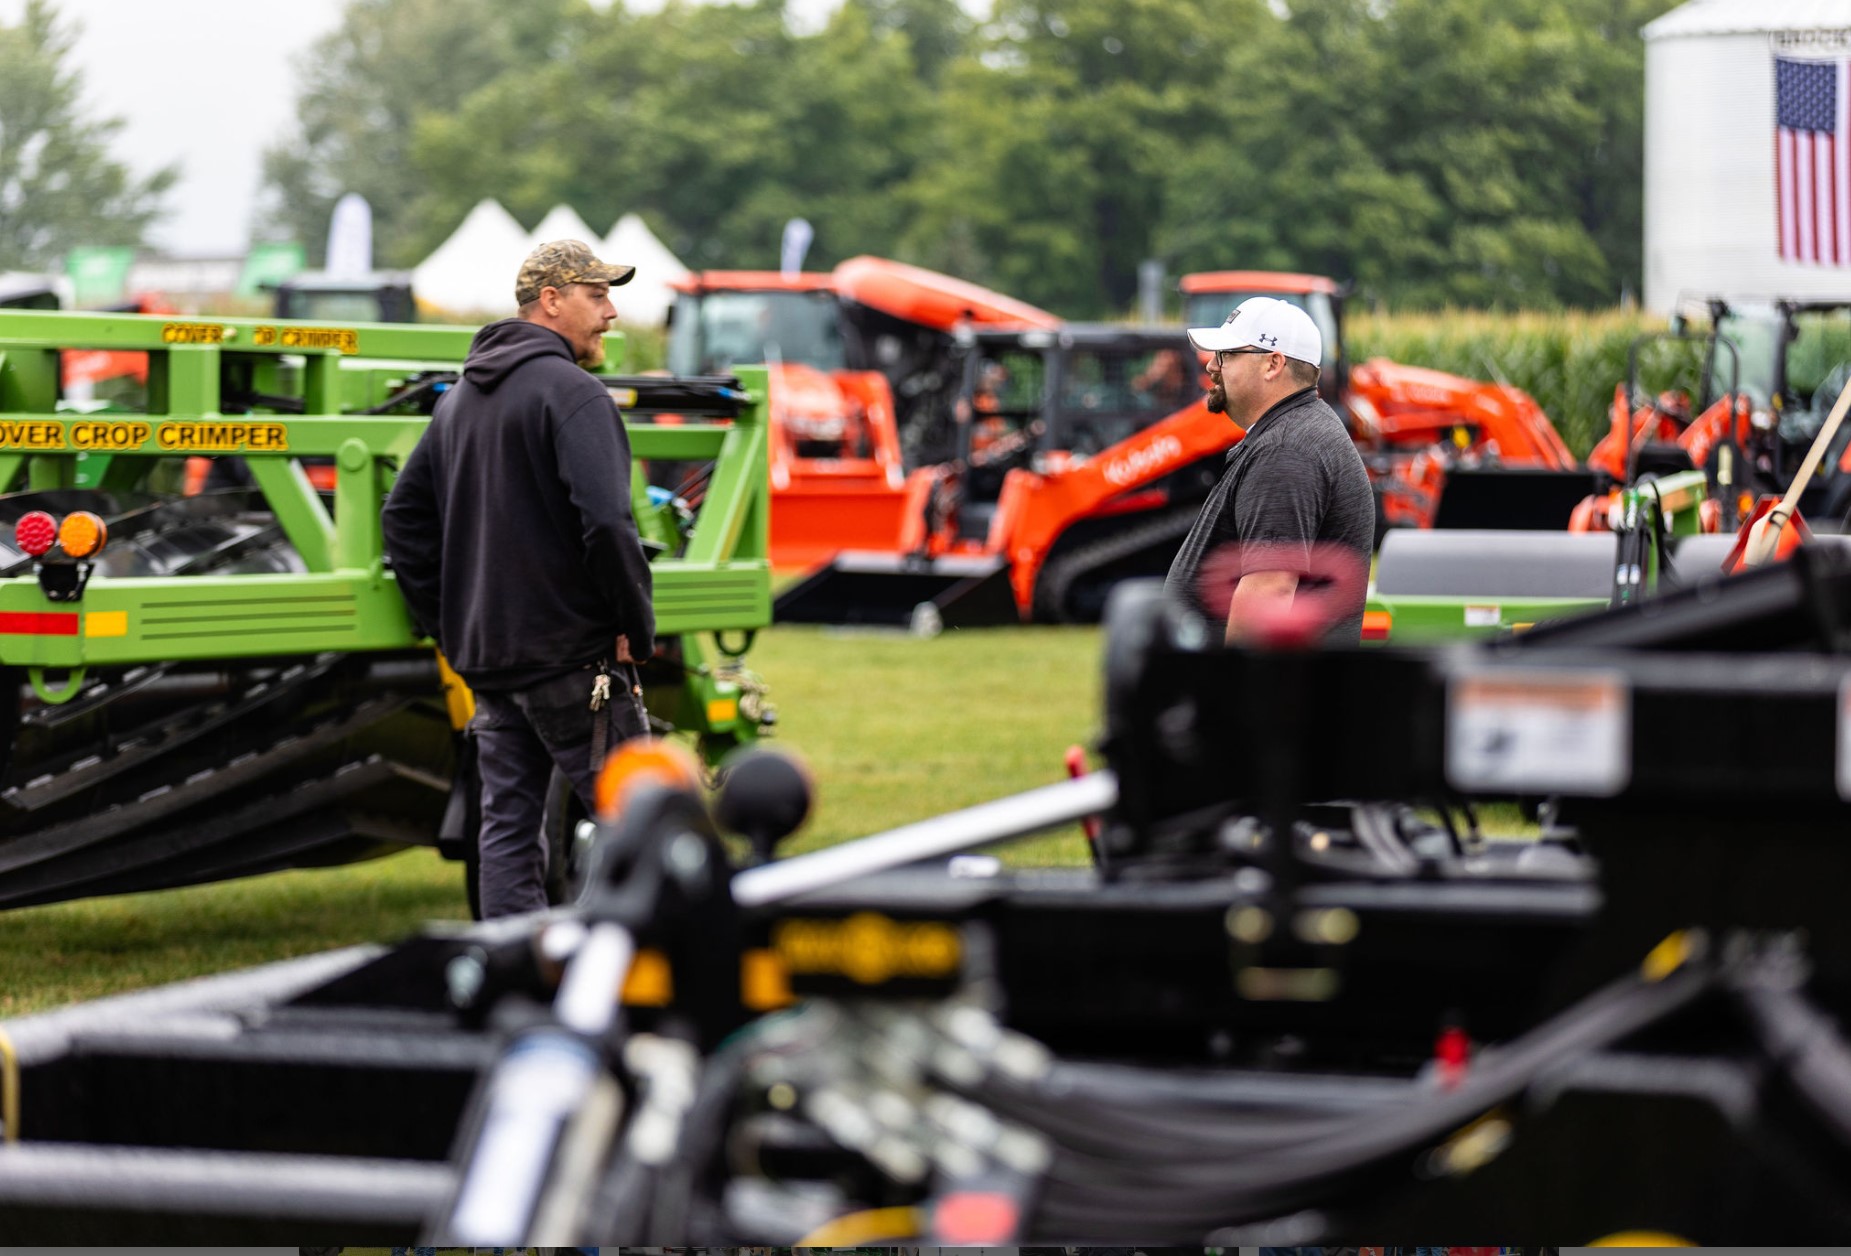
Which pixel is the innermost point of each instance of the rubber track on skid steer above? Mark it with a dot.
(1055, 587)
(163, 775)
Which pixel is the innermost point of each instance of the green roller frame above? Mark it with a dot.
(713, 578)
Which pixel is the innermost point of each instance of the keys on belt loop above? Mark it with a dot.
(600, 690)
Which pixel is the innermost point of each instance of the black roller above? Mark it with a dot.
(1496, 564)
(764, 797)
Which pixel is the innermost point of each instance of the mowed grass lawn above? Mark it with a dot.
(894, 729)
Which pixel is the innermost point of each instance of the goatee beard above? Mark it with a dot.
(1217, 400)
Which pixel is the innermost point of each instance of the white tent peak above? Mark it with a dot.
(644, 301)
(562, 223)
(472, 273)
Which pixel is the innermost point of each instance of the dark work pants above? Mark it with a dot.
(520, 735)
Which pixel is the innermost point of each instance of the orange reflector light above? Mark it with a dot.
(82, 534)
(644, 760)
(1377, 625)
(35, 532)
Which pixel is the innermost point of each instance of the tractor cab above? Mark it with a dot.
(19, 291)
(722, 321)
(1049, 401)
(379, 297)
(1795, 361)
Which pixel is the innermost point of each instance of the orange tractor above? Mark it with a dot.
(1768, 374)
(1442, 450)
(1075, 457)
(859, 356)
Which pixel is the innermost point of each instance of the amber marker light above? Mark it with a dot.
(82, 534)
(35, 532)
(644, 760)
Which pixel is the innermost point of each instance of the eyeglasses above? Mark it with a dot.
(1235, 353)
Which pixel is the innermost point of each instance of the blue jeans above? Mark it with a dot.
(521, 735)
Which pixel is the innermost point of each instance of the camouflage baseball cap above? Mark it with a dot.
(560, 262)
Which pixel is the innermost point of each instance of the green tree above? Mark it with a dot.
(716, 122)
(367, 87)
(1048, 174)
(58, 185)
(1437, 151)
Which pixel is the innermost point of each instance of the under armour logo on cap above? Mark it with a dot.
(1265, 323)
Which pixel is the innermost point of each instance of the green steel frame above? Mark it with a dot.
(1668, 505)
(719, 582)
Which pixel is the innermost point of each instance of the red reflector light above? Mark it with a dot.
(35, 532)
(1377, 625)
(1452, 1052)
(976, 1218)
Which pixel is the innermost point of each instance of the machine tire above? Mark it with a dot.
(558, 828)
(1055, 587)
(472, 879)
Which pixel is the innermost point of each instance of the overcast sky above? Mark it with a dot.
(205, 83)
(208, 84)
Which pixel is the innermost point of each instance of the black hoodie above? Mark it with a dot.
(510, 528)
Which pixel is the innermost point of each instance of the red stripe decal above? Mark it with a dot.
(39, 623)
(1831, 165)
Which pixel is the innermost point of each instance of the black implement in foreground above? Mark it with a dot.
(1266, 1017)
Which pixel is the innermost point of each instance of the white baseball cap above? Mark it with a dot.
(1264, 323)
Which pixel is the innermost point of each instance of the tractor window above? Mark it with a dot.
(1004, 410)
(1754, 331)
(716, 331)
(334, 307)
(1821, 344)
(1011, 381)
(1110, 392)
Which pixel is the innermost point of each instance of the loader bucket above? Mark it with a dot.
(1511, 500)
(902, 590)
(1437, 585)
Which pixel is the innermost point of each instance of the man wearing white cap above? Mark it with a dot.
(1294, 481)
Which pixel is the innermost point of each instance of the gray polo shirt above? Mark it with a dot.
(1294, 480)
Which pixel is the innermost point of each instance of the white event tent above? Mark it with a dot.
(472, 273)
(644, 301)
(562, 223)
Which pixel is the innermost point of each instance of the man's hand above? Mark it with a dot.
(1257, 595)
(623, 649)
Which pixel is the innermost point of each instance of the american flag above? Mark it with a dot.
(1812, 169)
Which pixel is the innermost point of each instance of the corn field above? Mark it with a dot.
(1569, 362)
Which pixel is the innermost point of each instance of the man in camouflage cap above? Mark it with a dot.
(583, 285)
(512, 538)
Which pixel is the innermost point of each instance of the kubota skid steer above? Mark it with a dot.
(1081, 457)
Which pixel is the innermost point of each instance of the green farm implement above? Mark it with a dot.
(231, 684)
(1431, 585)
